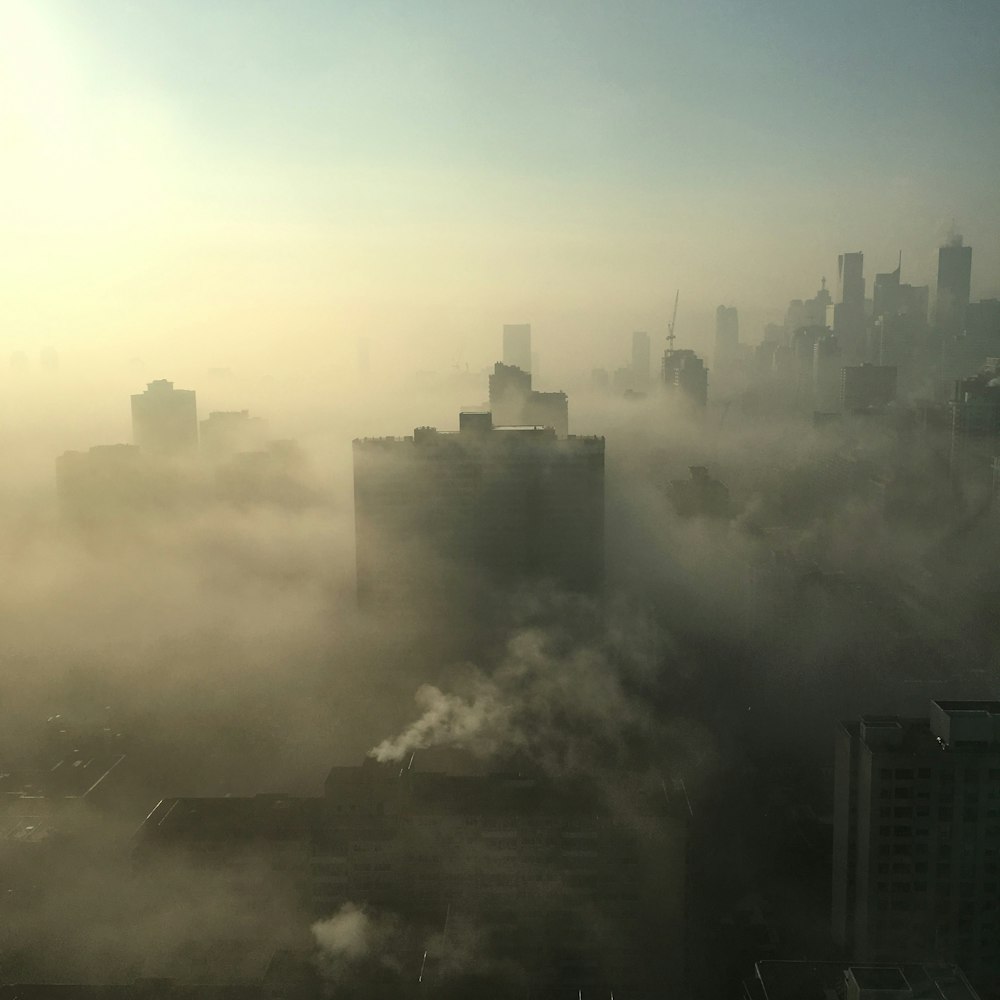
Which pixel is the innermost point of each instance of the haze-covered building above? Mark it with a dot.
(517, 345)
(954, 279)
(165, 420)
(514, 403)
(573, 885)
(499, 506)
(917, 838)
(225, 433)
(685, 377)
(867, 388)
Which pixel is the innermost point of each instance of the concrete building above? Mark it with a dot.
(517, 345)
(954, 279)
(231, 432)
(165, 420)
(917, 838)
(500, 506)
(685, 377)
(849, 313)
(576, 889)
(514, 403)
(727, 335)
(867, 388)
(975, 425)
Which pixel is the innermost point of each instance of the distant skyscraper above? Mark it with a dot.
(435, 512)
(727, 335)
(849, 312)
(165, 420)
(685, 375)
(517, 345)
(640, 360)
(514, 403)
(885, 292)
(916, 848)
(953, 283)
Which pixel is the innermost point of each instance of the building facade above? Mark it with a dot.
(917, 838)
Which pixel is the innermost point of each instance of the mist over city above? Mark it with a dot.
(499, 501)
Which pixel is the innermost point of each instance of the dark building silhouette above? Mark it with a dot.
(685, 376)
(501, 505)
(576, 887)
(867, 388)
(514, 403)
(165, 420)
(700, 496)
(917, 838)
(849, 312)
(727, 335)
(517, 345)
(954, 279)
(640, 361)
(975, 424)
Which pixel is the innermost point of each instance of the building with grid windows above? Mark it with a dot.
(917, 838)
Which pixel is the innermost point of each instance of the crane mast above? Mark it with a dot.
(671, 336)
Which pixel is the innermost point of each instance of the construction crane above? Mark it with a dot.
(671, 337)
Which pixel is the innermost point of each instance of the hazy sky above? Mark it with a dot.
(235, 179)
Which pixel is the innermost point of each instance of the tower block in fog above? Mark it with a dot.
(685, 376)
(954, 280)
(440, 514)
(916, 850)
(165, 420)
(514, 403)
(517, 345)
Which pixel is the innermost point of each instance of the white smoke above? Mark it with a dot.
(479, 722)
(349, 934)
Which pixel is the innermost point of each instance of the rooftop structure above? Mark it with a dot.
(437, 513)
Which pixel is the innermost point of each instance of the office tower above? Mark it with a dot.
(517, 345)
(165, 420)
(885, 292)
(496, 506)
(917, 838)
(867, 388)
(514, 403)
(727, 335)
(228, 432)
(953, 282)
(826, 373)
(640, 361)
(975, 424)
(849, 312)
(685, 377)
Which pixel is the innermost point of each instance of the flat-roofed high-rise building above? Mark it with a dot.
(727, 335)
(517, 345)
(165, 420)
(685, 376)
(917, 838)
(849, 312)
(640, 360)
(500, 506)
(954, 279)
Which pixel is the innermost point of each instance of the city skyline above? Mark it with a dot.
(373, 157)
